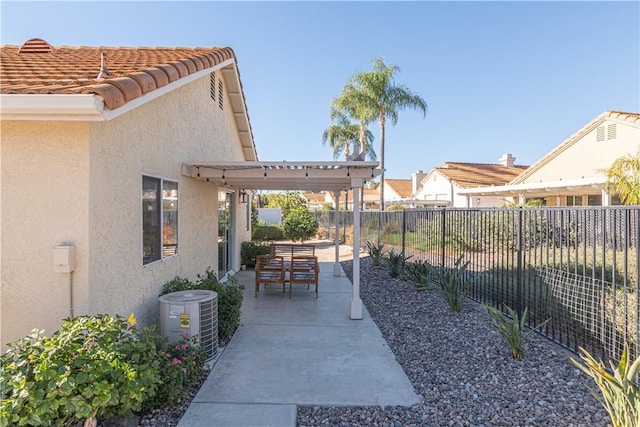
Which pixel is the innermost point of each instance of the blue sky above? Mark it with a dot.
(517, 77)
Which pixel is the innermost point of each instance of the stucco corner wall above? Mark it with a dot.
(155, 139)
(45, 194)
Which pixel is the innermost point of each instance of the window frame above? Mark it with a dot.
(160, 216)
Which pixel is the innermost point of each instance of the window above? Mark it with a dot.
(594, 200)
(159, 219)
(574, 200)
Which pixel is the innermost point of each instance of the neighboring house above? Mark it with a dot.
(92, 141)
(573, 173)
(316, 201)
(396, 191)
(443, 186)
(370, 197)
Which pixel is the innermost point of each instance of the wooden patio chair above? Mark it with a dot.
(303, 270)
(269, 270)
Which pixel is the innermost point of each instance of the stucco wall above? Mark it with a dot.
(81, 183)
(436, 187)
(155, 139)
(587, 156)
(45, 199)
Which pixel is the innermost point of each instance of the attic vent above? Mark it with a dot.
(36, 46)
(212, 85)
(611, 131)
(220, 97)
(600, 134)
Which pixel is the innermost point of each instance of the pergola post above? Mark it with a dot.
(337, 270)
(356, 302)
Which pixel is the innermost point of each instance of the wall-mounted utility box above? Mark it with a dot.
(64, 258)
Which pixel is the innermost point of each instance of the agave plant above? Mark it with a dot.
(394, 263)
(511, 330)
(376, 252)
(454, 282)
(619, 391)
(418, 273)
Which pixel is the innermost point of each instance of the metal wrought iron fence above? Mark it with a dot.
(578, 267)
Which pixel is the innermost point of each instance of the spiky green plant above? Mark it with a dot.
(619, 393)
(511, 330)
(418, 273)
(454, 282)
(394, 263)
(376, 252)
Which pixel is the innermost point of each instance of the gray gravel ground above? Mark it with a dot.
(461, 368)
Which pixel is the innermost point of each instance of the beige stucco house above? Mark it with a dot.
(396, 191)
(572, 174)
(445, 185)
(92, 145)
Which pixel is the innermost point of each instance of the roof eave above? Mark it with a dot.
(594, 182)
(86, 107)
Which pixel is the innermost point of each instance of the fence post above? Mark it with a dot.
(519, 278)
(404, 231)
(442, 239)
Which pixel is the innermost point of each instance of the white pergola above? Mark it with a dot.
(303, 176)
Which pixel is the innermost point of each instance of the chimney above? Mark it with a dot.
(416, 178)
(507, 160)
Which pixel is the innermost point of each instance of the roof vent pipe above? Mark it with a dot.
(104, 71)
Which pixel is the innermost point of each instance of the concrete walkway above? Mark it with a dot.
(298, 351)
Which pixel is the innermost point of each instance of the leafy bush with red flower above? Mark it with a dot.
(182, 365)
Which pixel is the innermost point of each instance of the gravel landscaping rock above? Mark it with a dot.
(461, 368)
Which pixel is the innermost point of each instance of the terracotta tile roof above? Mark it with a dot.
(401, 186)
(317, 197)
(469, 175)
(125, 73)
(633, 118)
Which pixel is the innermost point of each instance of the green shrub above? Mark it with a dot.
(250, 250)
(177, 284)
(376, 253)
(454, 282)
(267, 232)
(394, 263)
(229, 301)
(300, 224)
(619, 393)
(92, 368)
(182, 365)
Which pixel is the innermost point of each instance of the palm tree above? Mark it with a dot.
(342, 134)
(623, 178)
(348, 104)
(374, 94)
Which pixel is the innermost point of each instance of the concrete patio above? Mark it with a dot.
(299, 351)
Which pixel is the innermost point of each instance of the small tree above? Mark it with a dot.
(300, 224)
(287, 202)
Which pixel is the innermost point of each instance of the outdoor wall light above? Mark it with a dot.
(244, 197)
